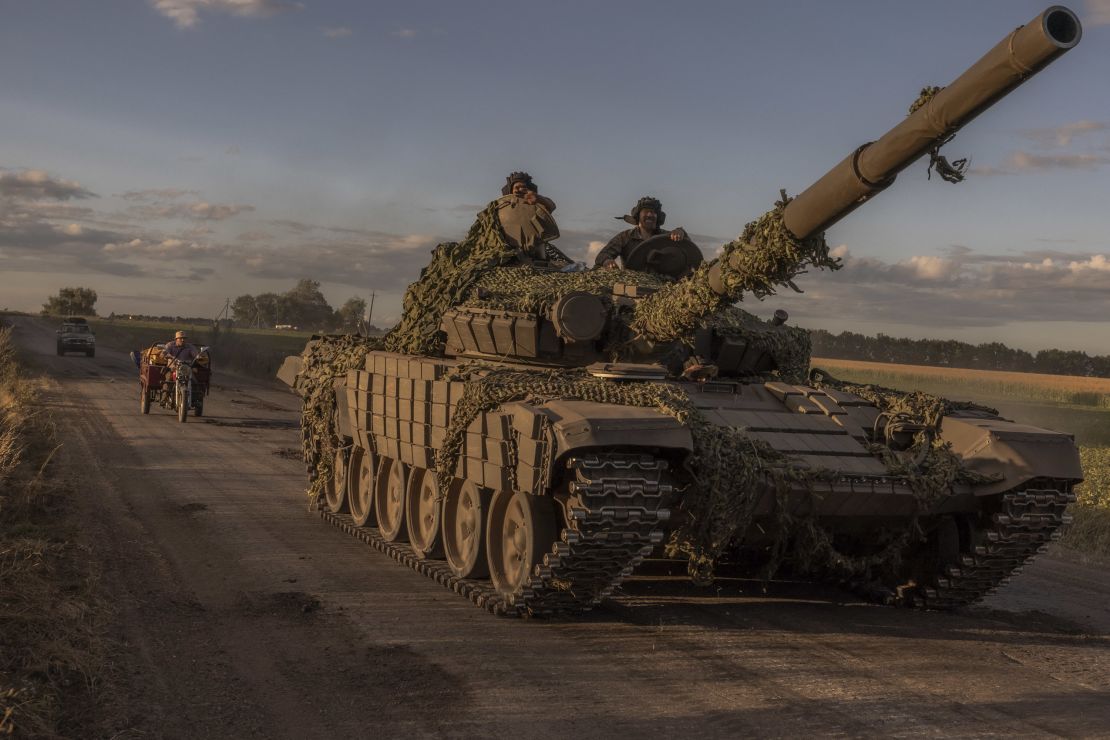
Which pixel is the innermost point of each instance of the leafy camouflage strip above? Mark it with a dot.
(323, 360)
(927, 93)
(765, 257)
(446, 282)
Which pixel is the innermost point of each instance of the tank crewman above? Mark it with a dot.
(526, 218)
(180, 350)
(520, 184)
(646, 217)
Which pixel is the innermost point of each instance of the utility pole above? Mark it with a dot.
(370, 314)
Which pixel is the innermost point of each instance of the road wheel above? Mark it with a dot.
(521, 530)
(198, 406)
(144, 399)
(182, 404)
(335, 492)
(362, 473)
(423, 512)
(389, 501)
(464, 529)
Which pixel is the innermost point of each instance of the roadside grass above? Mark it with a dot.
(1090, 528)
(257, 353)
(1080, 406)
(52, 620)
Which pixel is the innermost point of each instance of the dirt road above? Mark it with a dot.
(243, 614)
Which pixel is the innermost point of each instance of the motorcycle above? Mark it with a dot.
(174, 384)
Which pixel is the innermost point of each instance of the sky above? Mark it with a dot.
(172, 154)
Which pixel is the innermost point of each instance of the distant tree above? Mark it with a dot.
(306, 306)
(350, 314)
(245, 310)
(75, 301)
(270, 309)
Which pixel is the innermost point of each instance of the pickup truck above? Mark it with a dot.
(76, 336)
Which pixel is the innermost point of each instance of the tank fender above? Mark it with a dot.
(577, 425)
(289, 370)
(1017, 452)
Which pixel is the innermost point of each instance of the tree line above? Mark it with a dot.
(304, 307)
(950, 353)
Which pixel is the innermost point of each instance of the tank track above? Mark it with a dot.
(615, 520)
(1026, 521)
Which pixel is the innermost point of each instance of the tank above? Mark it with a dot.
(529, 433)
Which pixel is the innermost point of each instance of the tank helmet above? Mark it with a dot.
(516, 177)
(648, 202)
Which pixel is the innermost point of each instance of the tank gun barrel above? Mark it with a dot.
(781, 244)
(873, 167)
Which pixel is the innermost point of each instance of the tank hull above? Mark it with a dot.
(617, 478)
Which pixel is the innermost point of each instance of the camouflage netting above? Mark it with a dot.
(765, 257)
(446, 281)
(678, 309)
(527, 289)
(324, 360)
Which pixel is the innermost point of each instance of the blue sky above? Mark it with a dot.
(173, 153)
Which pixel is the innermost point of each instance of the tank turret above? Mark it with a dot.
(531, 431)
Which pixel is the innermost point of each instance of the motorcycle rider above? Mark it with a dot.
(180, 350)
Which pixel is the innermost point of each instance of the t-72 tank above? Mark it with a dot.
(527, 435)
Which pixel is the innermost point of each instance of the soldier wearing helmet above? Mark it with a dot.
(646, 217)
(520, 184)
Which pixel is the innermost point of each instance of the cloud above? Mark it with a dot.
(961, 288)
(199, 211)
(186, 13)
(1097, 13)
(336, 32)
(1020, 162)
(38, 185)
(404, 33)
(156, 194)
(1062, 136)
(379, 260)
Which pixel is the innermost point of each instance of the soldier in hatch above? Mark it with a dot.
(526, 219)
(520, 184)
(647, 217)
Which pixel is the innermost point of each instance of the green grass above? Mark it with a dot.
(254, 352)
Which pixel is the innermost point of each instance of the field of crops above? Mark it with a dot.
(990, 384)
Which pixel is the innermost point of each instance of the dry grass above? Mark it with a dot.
(1068, 389)
(51, 620)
